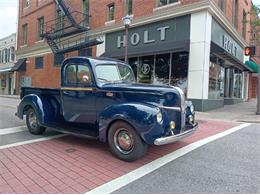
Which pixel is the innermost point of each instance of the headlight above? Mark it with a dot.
(192, 108)
(159, 117)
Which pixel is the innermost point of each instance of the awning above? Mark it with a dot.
(222, 53)
(5, 70)
(19, 65)
(254, 66)
(178, 46)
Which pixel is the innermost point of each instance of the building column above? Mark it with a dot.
(101, 48)
(200, 38)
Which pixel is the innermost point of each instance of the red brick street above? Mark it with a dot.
(77, 165)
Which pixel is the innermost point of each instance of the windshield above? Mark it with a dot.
(114, 73)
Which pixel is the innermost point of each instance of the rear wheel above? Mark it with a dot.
(32, 123)
(125, 143)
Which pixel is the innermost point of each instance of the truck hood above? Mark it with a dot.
(146, 93)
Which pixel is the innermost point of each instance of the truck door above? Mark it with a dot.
(78, 94)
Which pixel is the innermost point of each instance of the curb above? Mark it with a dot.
(11, 96)
(249, 121)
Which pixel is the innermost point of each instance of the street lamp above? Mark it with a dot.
(127, 22)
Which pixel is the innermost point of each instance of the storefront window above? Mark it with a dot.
(179, 71)
(145, 69)
(133, 62)
(157, 69)
(238, 82)
(216, 81)
(162, 69)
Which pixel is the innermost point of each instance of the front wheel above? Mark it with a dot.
(125, 143)
(33, 123)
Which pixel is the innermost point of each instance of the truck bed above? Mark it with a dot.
(40, 91)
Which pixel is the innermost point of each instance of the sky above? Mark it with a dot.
(9, 12)
(8, 17)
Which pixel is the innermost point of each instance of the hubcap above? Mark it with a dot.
(32, 120)
(123, 141)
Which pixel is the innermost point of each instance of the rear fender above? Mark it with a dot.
(41, 106)
(140, 116)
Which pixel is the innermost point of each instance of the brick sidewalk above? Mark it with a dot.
(76, 165)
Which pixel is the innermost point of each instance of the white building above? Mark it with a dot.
(7, 60)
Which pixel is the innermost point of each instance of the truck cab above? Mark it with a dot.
(99, 98)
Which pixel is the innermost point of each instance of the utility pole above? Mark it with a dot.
(127, 21)
(258, 95)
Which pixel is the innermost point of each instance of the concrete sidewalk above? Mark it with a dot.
(10, 96)
(242, 112)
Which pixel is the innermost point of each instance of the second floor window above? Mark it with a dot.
(26, 3)
(235, 13)
(39, 62)
(40, 28)
(129, 7)
(222, 4)
(60, 20)
(166, 2)
(12, 54)
(111, 12)
(86, 12)
(244, 25)
(24, 34)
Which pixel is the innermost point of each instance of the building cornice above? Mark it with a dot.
(35, 50)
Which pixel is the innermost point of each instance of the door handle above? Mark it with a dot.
(70, 93)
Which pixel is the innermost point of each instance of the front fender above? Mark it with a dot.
(141, 116)
(39, 104)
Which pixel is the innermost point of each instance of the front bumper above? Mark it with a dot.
(174, 138)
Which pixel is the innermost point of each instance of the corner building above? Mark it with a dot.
(196, 45)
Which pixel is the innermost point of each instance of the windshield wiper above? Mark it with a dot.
(104, 80)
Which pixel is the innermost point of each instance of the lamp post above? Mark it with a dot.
(127, 22)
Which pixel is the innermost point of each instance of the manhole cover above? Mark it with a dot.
(70, 150)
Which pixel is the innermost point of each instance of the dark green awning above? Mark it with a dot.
(252, 65)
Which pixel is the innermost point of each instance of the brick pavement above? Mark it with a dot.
(77, 165)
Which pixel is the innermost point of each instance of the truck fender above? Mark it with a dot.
(142, 117)
(39, 104)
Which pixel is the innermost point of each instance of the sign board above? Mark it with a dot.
(149, 35)
(25, 81)
(225, 41)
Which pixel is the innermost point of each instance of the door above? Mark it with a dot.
(9, 85)
(78, 94)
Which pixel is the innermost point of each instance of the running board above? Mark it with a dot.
(91, 134)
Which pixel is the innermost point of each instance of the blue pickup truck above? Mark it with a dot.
(100, 99)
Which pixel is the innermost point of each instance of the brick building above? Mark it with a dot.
(7, 60)
(194, 44)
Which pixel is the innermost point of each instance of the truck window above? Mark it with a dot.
(71, 74)
(78, 75)
(83, 75)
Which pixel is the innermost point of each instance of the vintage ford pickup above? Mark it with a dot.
(99, 98)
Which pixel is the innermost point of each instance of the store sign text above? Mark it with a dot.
(136, 38)
(229, 45)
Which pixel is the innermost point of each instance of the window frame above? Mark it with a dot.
(129, 5)
(37, 66)
(86, 10)
(65, 82)
(26, 3)
(24, 34)
(40, 28)
(167, 3)
(222, 5)
(108, 12)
